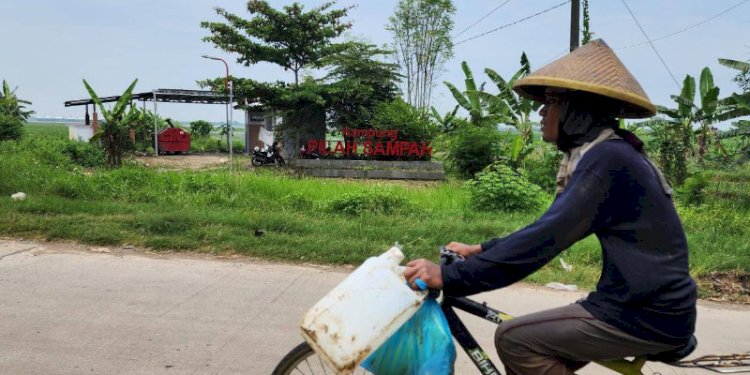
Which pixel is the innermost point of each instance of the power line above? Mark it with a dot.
(480, 20)
(512, 23)
(717, 15)
(651, 43)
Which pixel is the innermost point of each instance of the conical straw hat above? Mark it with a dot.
(592, 68)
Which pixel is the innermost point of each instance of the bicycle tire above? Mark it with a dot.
(300, 360)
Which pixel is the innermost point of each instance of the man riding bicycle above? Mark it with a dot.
(644, 302)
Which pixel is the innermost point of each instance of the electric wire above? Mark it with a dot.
(511, 24)
(480, 20)
(651, 43)
(717, 15)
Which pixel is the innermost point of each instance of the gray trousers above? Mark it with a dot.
(562, 340)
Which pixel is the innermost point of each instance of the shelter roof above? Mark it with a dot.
(163, 95)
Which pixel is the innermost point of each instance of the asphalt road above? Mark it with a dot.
(72, 309)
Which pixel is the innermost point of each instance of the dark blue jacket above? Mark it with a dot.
(645, 288)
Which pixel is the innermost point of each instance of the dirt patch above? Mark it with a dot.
(727, 286)
(193, 161)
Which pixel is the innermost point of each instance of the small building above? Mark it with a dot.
(80, 132)
(259, 126)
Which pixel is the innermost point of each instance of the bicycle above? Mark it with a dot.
(300, 359)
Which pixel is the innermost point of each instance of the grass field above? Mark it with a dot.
(47, 129)
(302, 219)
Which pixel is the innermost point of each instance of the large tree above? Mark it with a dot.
(358, 80)
(421, 31)
(291, 38)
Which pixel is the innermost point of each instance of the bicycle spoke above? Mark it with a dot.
(323, 366)
(308, 366)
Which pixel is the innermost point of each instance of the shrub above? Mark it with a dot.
(413, 124)
(373, 201)
(84, 154)
(201, 128)
(542, 169)
(11, 128)
(692, 192)
(498, 187)
(471, 149)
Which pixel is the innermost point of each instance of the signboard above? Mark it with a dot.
(370, 143)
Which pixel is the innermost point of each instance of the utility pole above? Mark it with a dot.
(575, 12)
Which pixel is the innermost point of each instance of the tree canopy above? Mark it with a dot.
(421, 32)
(291, 38)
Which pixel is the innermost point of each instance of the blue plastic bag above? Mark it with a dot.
(422, 346)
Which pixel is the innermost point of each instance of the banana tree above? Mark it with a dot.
(673, 135)
(711, 109)
(480, 111)
(447, 122)
(739, 103)
(516, 109)
(743, 77)
(11, 105)
(115, 132)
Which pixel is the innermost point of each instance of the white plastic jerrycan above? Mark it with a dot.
(357, 316)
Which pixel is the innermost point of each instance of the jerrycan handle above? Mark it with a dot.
(393, 256)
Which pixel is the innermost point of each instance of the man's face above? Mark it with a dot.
(550, 113)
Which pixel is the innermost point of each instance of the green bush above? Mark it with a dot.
(372, 201)
(11, 128)
(499, 188)
(692, 192)
(85, 154)
(201, 128)
(471, 149)
(413, 124)
(541, 169)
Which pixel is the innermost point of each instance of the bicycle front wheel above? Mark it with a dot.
(303, 360)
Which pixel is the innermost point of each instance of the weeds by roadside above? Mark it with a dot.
(304, 219)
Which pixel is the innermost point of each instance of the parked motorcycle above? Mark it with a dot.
(304, 154)
(266, 156)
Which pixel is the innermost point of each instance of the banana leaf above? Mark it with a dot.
(459, 96)
(734, 64)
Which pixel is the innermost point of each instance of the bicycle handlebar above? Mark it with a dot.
(449, 256)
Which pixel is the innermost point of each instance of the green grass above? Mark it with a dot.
(47, 129)
(304, 219)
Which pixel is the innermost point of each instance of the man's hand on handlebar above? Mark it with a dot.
(426, 271)
(463, 249)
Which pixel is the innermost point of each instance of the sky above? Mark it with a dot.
(51, 45)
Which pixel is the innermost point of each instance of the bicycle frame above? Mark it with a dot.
(730, 363)
(462, 334)
(479, 356)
